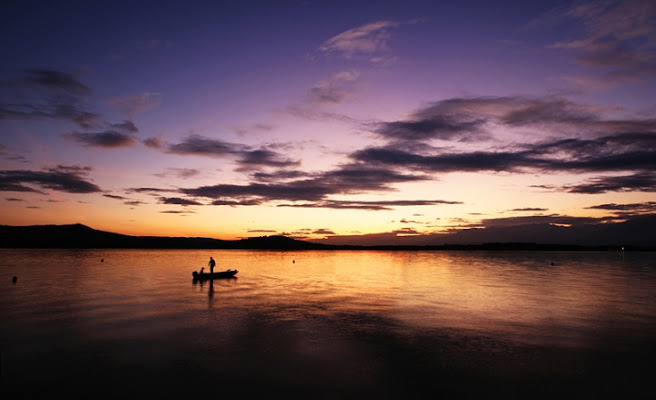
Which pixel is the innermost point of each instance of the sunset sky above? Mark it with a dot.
(349, 121)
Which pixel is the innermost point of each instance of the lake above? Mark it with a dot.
(328, 324)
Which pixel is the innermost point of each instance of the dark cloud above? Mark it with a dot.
(56, 80)
(201, 146)
(294, 191)
(47, 94)
(234, 203)
(264, 157)
(247, 157)
(455, 162)
(466, 119)
(115, 197)
(152, 191)
(348, 179)
(179, 201)
(115, 136)
(369, 205)
(69, 179)
(106, 139)
(620, 152)
(280, 175)
(649, 206)
(528, 209)
(644, 182)
(435, 127)
(323, 231)
(125, 200)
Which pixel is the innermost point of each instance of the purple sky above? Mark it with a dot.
(370, 122)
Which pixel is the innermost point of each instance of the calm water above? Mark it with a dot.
(328, 324)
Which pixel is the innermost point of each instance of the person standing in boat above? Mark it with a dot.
(212, 263)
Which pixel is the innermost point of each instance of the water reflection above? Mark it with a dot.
(340, 323)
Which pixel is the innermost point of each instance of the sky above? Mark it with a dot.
(361, 122)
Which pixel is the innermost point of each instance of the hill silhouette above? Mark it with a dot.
(81, 236)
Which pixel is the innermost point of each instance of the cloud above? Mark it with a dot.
(131, 105)
(116, 136)
(125, 200)
(106, 139)
(467, 119)
(370, 205)
(366, 40)
(528, 209)
(156, 142)
(183, 173)
(335, 89)
(247, 157)
(649, 206)
(592, 143)
(295, 191)
(179, 201)
(304, 187)
(199, 145)
(264, 157)
(235, 203)
(643, 182)
(62, 178)
(47, 94)
(55, 80)
(323, 231)
(572, 155)
(620, 39)
(115, 197)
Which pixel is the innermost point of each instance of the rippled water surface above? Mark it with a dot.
(331, 324)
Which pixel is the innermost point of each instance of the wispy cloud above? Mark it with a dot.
(370, 205)
(370, 41)
(335, 89)
(620, 39)
(183, 173)
(131, 105)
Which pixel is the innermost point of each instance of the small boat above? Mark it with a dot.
(230, 273)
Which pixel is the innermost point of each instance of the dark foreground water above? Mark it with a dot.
(331, 324)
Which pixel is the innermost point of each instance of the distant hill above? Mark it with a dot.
(83, 237)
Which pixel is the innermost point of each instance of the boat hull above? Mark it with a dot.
(217, 275)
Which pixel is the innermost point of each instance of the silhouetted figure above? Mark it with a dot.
(202, 271)
(14, 279)
(212, 263)
(102, 260)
